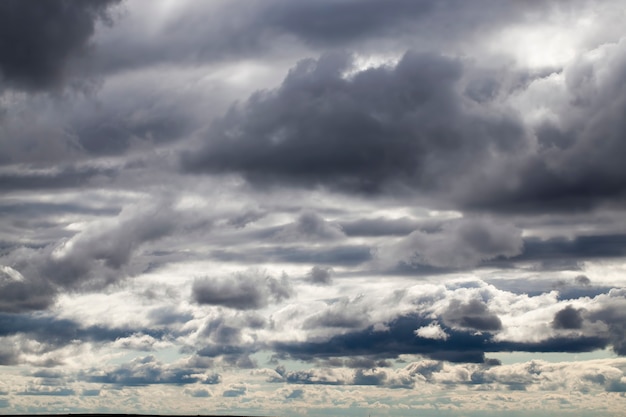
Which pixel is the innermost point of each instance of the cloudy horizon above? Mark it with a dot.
(330, 207)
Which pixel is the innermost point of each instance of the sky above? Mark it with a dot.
(313, 208)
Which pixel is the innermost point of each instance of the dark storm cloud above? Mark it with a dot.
(146, 371)
(613, 315)
(242, 291)
(459, 346)
(473, 315)
(413, 127)
(113, 132)
(222, 337)
(332, 22)
(55, 333)
(577, 166)
(399, 339)
(39, 39)
(380, 126)
(27, 295)
(35, 335)
(568, 318)
(578, 248)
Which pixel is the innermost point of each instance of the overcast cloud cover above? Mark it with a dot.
(324, 207)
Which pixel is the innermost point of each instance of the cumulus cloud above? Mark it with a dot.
(320, 275)
(473, 315)
(568, 318)
(342, 313)
(432, 331)
(357, 133)
(94, 257)
(441, 186)
(235, 391)
(459, 244)
(148, 371)
(243, 291)
(111, 243)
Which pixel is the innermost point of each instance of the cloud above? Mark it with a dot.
(327, 22)
(341, 313)
(50, 34)
(199, 393)
(455, 322)
(94, 257)
(48, 391)
(575, 167)
(8, 355)
(309, 227)
(243, 291)
(329, 376)
(409, 127)
(360, 133)
(441, 182)
(229, 31)
(147, 371)
(235, 391)
(568, 318)
(380, 227)
(459, 243)
(295, 394)
(582, 280)
(432, 331)
(58, 177)
(611, 313)
(18, 294)
(243, 219)
(473, 315)
(320, 275)
(543, 375)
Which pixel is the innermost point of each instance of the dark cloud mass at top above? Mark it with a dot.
(411, 126)
(320, 207)
(39, 39)
(383, 125)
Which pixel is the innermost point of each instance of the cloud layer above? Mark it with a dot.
(324, 207)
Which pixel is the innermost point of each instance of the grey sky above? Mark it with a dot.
(336, 207)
